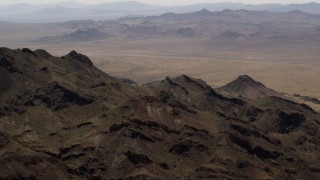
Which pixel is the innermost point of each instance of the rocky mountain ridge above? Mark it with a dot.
(61, 117)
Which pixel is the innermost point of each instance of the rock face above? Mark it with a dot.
(63, 118)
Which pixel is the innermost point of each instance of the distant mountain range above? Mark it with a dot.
(232, 33)
(306, 7)
(71, 10)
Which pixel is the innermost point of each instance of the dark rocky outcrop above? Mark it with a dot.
(138, 159)
(289, 122)
(183, 147)
(56, 96)
(53, 96)
(8, 63)
(259, 151)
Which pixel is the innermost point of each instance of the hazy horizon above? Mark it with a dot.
(157, 2)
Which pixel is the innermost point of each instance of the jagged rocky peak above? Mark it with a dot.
(80, 57)
(42, 53)
(248, 80)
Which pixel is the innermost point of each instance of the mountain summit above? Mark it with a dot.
(245, 86)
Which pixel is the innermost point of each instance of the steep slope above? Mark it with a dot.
(62, 117)
(244, 86)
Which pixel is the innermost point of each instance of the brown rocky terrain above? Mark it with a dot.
(61, 117)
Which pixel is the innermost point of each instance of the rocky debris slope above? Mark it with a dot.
(64, 118)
